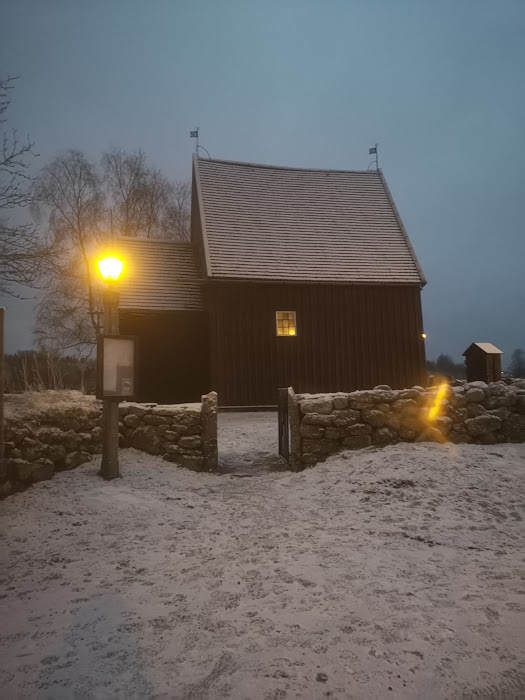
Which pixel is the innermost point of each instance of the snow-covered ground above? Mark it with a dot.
(391, 573)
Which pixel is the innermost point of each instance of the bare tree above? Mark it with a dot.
(23, 254)
(143, 201)
(176, 223)
(517, 363)
(80, 205)
(124, 175)
(69, 191)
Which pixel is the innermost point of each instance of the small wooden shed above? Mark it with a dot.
(483, 362)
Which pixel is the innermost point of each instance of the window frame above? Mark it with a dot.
(287, 320)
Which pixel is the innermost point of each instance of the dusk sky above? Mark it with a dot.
(307, 83)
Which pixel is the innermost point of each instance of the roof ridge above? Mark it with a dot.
(285, 167)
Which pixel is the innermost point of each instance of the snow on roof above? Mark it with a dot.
(488, 348)
(160, 275)
(274, 223)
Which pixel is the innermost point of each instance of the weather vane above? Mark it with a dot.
(195, 135)
(373, 152)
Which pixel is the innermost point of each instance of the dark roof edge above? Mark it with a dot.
(171, 241)
(257, 280)
(280, 167)
(403, 229)
(201, 212)
(142, 310)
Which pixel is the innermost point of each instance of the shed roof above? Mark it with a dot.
(160, 276)
(273, 223)
(486, 347)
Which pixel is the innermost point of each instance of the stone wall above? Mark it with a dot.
(60, 438)
(323, 424)
(185, 434)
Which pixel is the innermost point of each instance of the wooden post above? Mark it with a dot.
(284, 431)
(110, 466)
(294, 422)
(209, 431)
(2, 315)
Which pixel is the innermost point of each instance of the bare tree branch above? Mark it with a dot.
(78, 202)
(24, 254)
(143, 202)
(69, 191)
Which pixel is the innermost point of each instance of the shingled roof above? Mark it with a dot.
(272, 223)
(160, 276)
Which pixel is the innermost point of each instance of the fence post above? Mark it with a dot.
(295, 434)
(210, 449)
(282, 422)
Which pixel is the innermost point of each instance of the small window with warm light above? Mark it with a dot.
(285, 323)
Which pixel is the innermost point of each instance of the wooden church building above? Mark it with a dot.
(293, 277)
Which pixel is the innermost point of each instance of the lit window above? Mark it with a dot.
(285, 323)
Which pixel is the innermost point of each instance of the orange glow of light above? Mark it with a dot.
(434, 409)
(110, 267)
(291, 331)
(423, 335)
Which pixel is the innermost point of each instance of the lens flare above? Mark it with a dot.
(434, 409)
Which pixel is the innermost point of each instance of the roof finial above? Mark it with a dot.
(371, 152)
(195, 135)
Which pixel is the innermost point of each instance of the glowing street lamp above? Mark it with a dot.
(110, 267)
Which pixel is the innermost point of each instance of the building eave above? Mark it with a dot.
(200, 201)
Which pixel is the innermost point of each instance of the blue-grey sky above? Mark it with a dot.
(309, 83)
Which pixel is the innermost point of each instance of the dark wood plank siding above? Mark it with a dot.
(348, 337)
(173, 354)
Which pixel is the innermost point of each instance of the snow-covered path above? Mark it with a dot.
(248, 443)
(390, 573)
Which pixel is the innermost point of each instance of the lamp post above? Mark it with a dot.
(2, 312)
(110, 268)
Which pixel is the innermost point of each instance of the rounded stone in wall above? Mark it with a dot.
(373, 416)
(131, 421)
(458, 415)
(357, 442)
(322, 405)
(443, 424)
(482, 424)
(190, 442)
(474, 395)
(311, 431)
(406, 433)
(475, 409)
(431, 434)
(345, 417)
(318, 419)
(340, 401)
(55, 452)
(383, 436)
(459, 434)
(42, 470)
(406, 406)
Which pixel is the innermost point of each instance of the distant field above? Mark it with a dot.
(18, 405)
